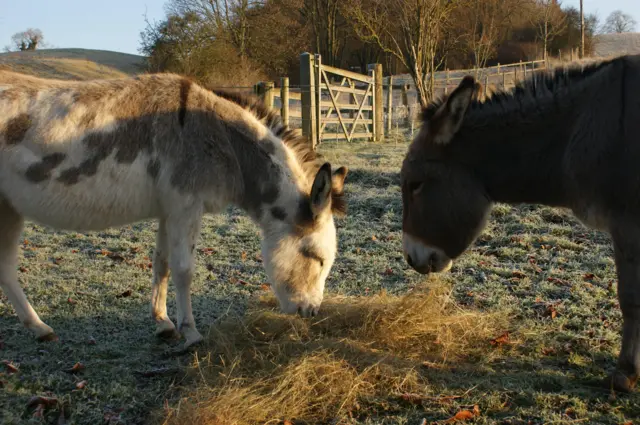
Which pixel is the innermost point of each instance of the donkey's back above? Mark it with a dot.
(93, 154)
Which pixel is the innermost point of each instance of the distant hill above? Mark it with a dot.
(73, 64)
(607, 45)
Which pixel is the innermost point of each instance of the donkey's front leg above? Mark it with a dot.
(627, 255)
(164, 326)
(182, 234)
(11, 224)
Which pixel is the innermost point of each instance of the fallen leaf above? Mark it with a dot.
(23, 269)
(243, 256)
(74, 251)
(11, 368)
(71, 301)
(589, 276)
(373, 238)
(627, 423)
(287, 422)
(502, 339)
(115, 257)
(40, 400)
(125, 294)
(551, 312)
(388, 271)
(25, 242)
(265, 286)
(518, 274)
(462, 415)
(80, 385)
(78, 367)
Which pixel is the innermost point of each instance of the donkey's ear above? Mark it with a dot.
(337, 179)
(321, 190)
(448, 119)
(338, 203)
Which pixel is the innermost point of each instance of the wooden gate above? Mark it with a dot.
(344, 102)
(338, 104)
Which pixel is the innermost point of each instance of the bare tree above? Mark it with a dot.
(618, 22)
(549, 20)
(330, 31)
(484, 25)
(228, 18)
(410, 30)
(27, 40)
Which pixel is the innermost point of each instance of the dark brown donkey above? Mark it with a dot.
(567, 138)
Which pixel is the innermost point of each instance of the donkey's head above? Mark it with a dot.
(299, 243)
(444, 206)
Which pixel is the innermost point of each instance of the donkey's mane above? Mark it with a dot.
(540, 86)
(309, 159)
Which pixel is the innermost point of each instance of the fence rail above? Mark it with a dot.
(336, 104)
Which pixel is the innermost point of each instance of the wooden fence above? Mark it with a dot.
(336, 104)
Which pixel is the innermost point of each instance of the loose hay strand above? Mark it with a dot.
(358, 352)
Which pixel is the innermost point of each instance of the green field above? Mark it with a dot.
(550, 280)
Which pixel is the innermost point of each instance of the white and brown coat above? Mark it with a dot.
(89, 155)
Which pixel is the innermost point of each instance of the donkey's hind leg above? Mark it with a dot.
(11, 224)
(626, 243)
(182, 231)
(164, 326)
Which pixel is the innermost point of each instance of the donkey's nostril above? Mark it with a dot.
(409, 261)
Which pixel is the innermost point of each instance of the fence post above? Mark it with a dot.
(389, 104)
(284, 100)
(486, 85)
(405, 101)
(378, 104)
(446, 82)
(525, 71)
(504, 80)
(265, 92)
(308, 98)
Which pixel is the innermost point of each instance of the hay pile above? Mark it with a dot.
(361, 356)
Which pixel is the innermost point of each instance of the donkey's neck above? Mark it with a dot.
(267, 180)
(518, 155)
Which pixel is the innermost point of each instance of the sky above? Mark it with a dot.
(116, 24)
(90, 24)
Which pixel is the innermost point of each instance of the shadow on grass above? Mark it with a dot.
(126, 370)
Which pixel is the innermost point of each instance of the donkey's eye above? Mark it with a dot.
(415, 186)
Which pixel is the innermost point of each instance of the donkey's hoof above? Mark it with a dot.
(620, 382)
(167, 330)
(192, 337)
(168, 334)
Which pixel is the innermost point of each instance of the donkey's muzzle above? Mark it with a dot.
(423, 258)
